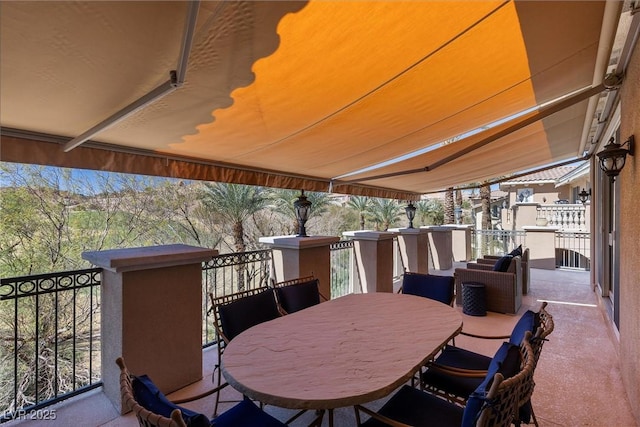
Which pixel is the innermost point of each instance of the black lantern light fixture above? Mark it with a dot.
(457, 212)
(613, 156)
(584, 195)
(410, 210)
(302, 207)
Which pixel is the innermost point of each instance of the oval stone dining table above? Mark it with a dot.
(346, 351)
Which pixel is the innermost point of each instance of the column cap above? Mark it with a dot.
(298, 242)
(148, 257)
(540, 228)
(437, 228)
(409, 230)
(370, 235)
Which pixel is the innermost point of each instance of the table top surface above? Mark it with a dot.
(350, 350)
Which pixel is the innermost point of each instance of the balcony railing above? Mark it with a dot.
(344, 270)
(50, 339)
(495, 242)
(573, 250)
(50, 347)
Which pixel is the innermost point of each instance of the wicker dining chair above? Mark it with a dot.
(297, 294)
(456, 372)
(493, 403)
(235, 313)
(153, 409)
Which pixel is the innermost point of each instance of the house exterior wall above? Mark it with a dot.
(630, 237)
(542, 193)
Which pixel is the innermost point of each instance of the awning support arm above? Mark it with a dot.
(517, 125)
(176, 80)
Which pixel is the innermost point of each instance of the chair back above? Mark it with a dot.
(235, 313)
(438, 288)
(146, 418)
(505, 395)
(297, 294)
(545, 327)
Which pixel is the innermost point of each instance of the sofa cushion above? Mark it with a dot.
(516, 252)
(502, 264)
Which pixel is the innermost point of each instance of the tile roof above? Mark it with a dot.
(547, 175)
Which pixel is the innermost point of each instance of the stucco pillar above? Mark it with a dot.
(374, 255)
(295, 256)
(414, 248)
(524, 214)
(440, 247)
(541, 242)
(151, 307)
(461, 242)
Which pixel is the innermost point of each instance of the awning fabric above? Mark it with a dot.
(299, 94)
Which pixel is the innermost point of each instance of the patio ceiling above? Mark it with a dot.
(305, 94)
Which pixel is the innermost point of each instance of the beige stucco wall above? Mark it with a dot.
(630, 238)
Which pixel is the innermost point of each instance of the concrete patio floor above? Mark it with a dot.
(578, 379)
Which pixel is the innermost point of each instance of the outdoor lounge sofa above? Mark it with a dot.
(503, 289)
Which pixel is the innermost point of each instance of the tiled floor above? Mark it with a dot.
(577, 380)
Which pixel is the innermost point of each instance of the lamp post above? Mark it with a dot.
(302, 207)
(410, 210)
(458, 214)
(584, 195)
(613, 156)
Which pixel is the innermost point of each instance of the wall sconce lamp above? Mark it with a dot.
(613, 156)
(584, 195)
(302, 207)
(410, 210)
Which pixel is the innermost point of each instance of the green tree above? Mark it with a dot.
(449, 211)
(234, 204)
(430, 212)
(485, 199)
(385, 213)
(282, 201)
(361, 205)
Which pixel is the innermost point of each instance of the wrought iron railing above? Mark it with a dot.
(230, 273)
(49, 339)
(345, 278)
(495, 242)
(573, 250)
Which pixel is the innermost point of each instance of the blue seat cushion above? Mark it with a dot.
(502, 264)
(299, 296)
(238, 316)
(517, 251)
(245, 413)
(458, 358)
(527, 322)
(418, 408)
(151, 398)
(439, 288)
(507, 361)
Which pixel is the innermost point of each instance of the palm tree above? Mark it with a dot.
(430, 212)
(485, 198)
(385, 213)
(361, 204)
(234, 203)
(283, 203)
(449, 212)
